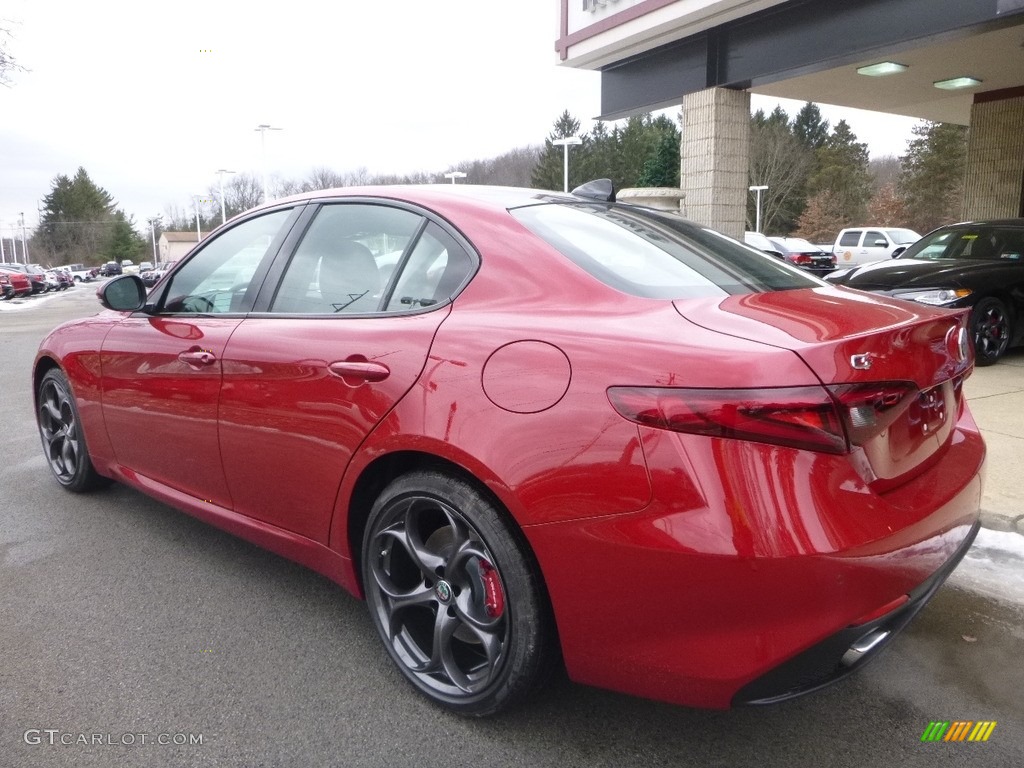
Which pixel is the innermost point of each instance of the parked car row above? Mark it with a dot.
(978, 265)
(24, 280)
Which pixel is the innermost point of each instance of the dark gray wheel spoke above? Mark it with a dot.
(50, 408)
(474, 617)
(443, 658)
(69, 455)
(464, 554)
(425, 560)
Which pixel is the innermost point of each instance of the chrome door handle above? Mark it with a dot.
(198, 357)
(360, 369)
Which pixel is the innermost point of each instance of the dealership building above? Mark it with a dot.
(954, 61)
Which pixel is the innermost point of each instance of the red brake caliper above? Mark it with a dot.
(494, 596)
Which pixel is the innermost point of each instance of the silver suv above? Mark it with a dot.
(859, 245)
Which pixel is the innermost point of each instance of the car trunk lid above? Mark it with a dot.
(894, 369)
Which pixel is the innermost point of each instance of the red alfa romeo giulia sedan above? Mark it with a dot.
(536, 429)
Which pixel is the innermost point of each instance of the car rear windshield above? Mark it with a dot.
(969, 242)
(656, 255)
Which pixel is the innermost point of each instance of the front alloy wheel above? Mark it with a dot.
(453, 595)
(991, 323)
(61, 433)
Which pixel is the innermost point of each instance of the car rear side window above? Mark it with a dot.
(850, 239)
(437, 266)
(345, 259)
(645, 253)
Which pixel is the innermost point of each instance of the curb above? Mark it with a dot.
(1005, 523)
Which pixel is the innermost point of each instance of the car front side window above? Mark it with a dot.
(217, 279)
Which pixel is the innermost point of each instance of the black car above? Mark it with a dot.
(976, 264)
(801, 253)
(111, 268)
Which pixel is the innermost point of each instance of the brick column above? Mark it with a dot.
(715, 155)
(994, 181)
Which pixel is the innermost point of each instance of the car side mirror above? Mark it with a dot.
(123, 294)
(881, 244)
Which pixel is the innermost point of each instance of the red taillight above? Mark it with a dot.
(799, 417)
(811, 418)
(869, 409)
(800, 258)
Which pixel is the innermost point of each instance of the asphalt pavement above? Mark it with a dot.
(125, 624)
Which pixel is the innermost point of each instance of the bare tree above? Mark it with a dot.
(780, 161)
(323, 177)
(886, 208)
(884, 171)
(8, 64)
(822, 218)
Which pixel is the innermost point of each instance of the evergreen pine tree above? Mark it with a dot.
(549, 171)
(932, 176)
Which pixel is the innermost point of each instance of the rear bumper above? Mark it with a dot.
(847, 650)
(749, 575)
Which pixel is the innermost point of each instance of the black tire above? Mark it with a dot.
(61, 432)
(454, 595)
(992, 329)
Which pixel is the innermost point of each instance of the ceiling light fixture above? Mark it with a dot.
(882, 68)
(956, 83)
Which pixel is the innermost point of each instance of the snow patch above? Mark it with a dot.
(994, 566)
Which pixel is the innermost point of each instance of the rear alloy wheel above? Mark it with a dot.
(453, 595)
(991, 325)
(61, 432)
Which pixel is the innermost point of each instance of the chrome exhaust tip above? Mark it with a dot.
(864, 646)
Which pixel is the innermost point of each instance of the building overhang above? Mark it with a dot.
(651, 53)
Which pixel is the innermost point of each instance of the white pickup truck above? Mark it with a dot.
(80, 272)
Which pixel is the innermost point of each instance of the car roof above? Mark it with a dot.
(1015, 222)
(493, 197)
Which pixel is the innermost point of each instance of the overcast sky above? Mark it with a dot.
(152, 99)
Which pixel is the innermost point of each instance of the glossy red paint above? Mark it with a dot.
(679, 567)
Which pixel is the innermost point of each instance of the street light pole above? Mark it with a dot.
(758, 190)
(568, 141)
(223, 209)
(152, 232)
(453, 175)
(24, 243)
(195, 204)
(263, 128)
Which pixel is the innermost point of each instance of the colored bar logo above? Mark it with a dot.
(958, 730)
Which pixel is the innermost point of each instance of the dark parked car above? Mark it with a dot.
(152, 276)
(803, 254)
(554, 429)
(977, 265)
(111, 268)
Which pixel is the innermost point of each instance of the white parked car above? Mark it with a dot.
(762, 243)
(859, 245)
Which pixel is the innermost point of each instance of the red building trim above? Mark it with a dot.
(610, 22)
(999, 95)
